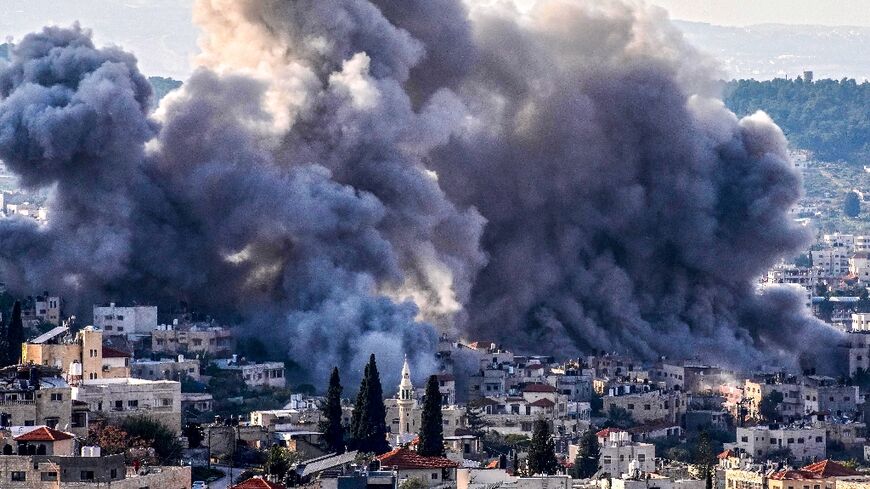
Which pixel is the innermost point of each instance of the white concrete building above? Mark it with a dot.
(859, 266)
(116, 399)
(618, 451)
(167, 369)
(118, 320)
(803, 442)
(266, 374)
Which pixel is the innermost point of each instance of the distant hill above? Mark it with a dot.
(768, 51)
(828, 117)
(162, 86)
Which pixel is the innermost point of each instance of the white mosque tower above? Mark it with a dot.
(405, 401)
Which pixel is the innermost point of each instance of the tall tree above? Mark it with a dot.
(586, 463)
(359, 419)
(15, 334)
(369, 423)
(705, 458)
(542, 451)
(432, 427)
(330, 413)
(474, 420)
(852, 205)
(768, 407)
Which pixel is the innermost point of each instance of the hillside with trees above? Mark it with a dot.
(829, 117)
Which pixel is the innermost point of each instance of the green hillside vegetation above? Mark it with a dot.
(829, 117)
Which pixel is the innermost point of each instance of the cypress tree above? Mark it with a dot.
(359, 418)
(586, 463)
(474, 420)
(369, 423)
(377, 411)
(15, 335)
(705, 459)
(330, 413)
(542, 451)
(432, 428)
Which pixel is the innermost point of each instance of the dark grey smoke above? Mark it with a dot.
(341, 174)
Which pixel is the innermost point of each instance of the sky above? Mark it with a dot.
(162, 36)
(748, 12)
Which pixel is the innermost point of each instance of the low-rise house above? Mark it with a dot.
(654, 431)
(473, 478)
(432, 471)
(40, 441)
(179, 368)
(266, 374)
(32, 395)
(205, 338)
(83, 472)
(129, 320)
(645, 407)
(43, 308)
(118, 399)
(80, 356)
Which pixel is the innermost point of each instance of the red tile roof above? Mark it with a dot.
(109, 352)
(607, 431)
(829, 468)
(544, 403)
(726, 454)
(43, 434)
(547, 388)
(258, 483)
(404, 459)
(794, 475)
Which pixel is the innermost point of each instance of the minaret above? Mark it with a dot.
(406, 400)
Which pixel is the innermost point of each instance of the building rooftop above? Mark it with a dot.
(125, 381)
(405, 459)
(44, 434)
(109, 352)
(543, 388)
(829, 468)
(258, 483)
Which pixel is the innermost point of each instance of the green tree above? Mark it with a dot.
(474, 420)
(852, 205)
(368, 423)
(705, 458)
(278, 462)
(588, 453)
(15, 334)
(431, 423)
(619, 417)
(155, 434)
(768, 407)
(542, 452)
(412, 483)
(330, 413)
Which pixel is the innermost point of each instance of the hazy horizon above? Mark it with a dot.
(749, 41)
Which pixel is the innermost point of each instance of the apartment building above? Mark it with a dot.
(192, 338)
(125, 320)
(167, 369)
(79, 356)
(804, 442)
(33, 395)
(117, 399)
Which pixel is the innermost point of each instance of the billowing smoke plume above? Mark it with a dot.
(347, 177)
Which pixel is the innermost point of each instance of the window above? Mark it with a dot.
(57, 396)
(108, 327)
(631, 406)
(434, 475)
(120, 317)
(18, 476)
(818, 439)
(114, 474)
(166, 402)
(29, 422)
(744, 439)
(641, 457)
(87, 475)
(134, 403)
(48, 476)
(52, 422)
